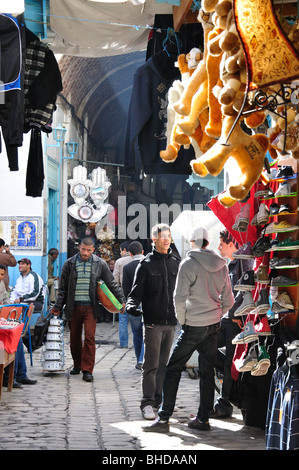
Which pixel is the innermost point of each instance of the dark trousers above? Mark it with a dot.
(228, 331)
(203, 340)
(83, 353)
(157, 345)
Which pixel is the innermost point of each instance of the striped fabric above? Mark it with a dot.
(35, 64)
(83, 269)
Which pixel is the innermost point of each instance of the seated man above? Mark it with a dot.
(20, 372)
(29, 287)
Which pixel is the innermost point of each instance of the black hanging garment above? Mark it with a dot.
(12, 49)
(147, 119)
(35, 166)
(190, 35)
(147, 116)
(42, 83)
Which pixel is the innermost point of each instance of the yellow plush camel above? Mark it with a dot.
(248, 151)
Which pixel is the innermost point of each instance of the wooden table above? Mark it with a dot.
(7, 359)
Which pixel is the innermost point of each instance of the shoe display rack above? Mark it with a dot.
(282, 205)
(275, 275)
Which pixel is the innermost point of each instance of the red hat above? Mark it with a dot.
(24, 260)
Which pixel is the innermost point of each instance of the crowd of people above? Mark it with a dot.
(157, 291)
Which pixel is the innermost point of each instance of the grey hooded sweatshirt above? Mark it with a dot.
(203, 292)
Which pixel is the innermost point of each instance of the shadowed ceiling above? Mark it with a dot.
(98, 90)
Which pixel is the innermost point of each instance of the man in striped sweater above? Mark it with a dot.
(78, 293)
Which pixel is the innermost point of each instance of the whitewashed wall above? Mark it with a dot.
(15, 203)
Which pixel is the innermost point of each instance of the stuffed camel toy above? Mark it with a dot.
(249, 153)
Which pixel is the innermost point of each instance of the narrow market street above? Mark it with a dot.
(62, 412)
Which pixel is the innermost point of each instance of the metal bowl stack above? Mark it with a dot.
(53, 352)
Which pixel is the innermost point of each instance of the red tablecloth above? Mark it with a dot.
(10, 338)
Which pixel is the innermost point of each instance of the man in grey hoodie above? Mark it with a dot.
(202, 295)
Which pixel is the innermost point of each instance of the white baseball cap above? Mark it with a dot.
(199, 234)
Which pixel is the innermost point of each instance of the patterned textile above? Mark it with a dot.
(34, 64)
(83, 279)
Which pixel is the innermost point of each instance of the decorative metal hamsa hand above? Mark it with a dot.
(89, 194)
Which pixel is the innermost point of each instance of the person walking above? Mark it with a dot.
(202, 295)
(153, 287)
(120, 263)
(78, 292)
(136, 253)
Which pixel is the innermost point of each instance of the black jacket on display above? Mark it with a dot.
(154, 284)
(12, 49)
(147, 119)
(42, 83)
(67, 285)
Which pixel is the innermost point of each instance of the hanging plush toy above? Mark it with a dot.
(249, 153)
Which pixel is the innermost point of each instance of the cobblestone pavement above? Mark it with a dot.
(62, 412)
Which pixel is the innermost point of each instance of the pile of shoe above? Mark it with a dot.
(262, 216)
(261, 191)
(246, 281)
(252, 332)
(284, 263)
(262, 304)
(261, 275)
(287, 244)
(247, 335)
(278, 227)
(261, 246)
(246, 306)
(284, 189)
(242, 220)
(276, 209)
(284, 301)
(244, 252)
(282, 281)
(284, 172)
(256, 364)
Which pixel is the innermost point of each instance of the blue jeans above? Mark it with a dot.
(20, 371)
(204, 340)
(137, 331)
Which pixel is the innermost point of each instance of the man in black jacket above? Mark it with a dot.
(78, 292)
(153, 287)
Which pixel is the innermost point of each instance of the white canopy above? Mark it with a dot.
(97, 29)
